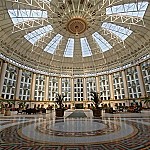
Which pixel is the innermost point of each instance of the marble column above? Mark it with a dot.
(125, 84)
(18, 84)
(60, 85)
(97, 84)
(33, 86)
(111, 87)
(141, 82)
(84, 93)
(46, 88)
(84, 89)
(2, 77)
(72, 92)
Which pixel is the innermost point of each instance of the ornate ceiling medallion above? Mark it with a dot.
(76, 26)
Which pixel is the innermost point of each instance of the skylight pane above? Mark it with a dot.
(132, 9)
(86, 50)
(19, 16)
(50, 48)
(47, 1)
(143, 6)
(121, 32)
(37, 34)
(103, 44)
(69, 48)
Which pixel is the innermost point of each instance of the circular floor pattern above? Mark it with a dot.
(107, 132)
(77, 128)
(131, 134)
(13, 137)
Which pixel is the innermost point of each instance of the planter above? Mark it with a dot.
(3, 111)
(59, 112)
(110, 110)
(107, 110)
(73, 108)
(97, 112)
(7, 112)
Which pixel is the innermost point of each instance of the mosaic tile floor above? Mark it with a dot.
(122, 131)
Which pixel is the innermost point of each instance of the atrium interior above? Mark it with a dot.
(69, 48)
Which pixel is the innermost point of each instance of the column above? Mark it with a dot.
(72, 92)
(125, 84)
(141, 82)
(84, 89)
(60, 85)
(18, 84)
(33, 86)
(2, 77)
(97, 84)
(111, 86)
(46, 88)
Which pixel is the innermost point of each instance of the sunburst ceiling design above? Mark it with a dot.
(74, 36)
(76, 26)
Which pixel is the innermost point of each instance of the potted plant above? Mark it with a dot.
(21, 107)
(7, 108)
(2, 108)
(22, 104)
(60, 109)
(147, 101)
(95, 96)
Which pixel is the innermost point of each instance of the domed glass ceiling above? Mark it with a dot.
(75, 33)
(131, 9)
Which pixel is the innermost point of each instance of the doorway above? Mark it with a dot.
(78, 106)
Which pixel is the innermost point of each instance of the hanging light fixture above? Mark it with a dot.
(76, 27)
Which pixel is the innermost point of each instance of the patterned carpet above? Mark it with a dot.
(77, 114)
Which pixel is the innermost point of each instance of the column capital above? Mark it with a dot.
(138, 64)
(4, 61)
(20, 69)
(110, 74)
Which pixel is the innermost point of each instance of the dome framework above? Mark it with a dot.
(74, 37)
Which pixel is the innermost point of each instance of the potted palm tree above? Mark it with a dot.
(147, 101)
(60, 110)
(22, 104)
(95, 96)
(7, 108)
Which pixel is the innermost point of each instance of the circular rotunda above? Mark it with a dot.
(72, 46)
